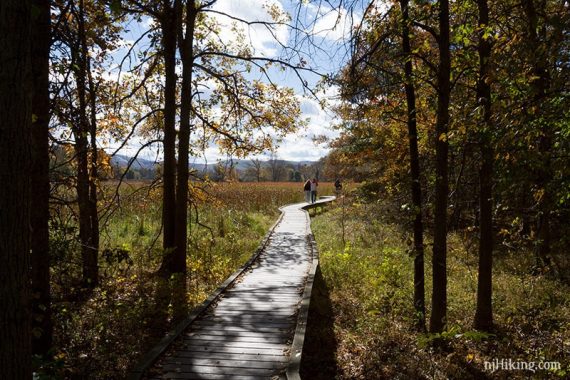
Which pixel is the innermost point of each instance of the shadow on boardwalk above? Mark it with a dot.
(246, 328)
(319, 351)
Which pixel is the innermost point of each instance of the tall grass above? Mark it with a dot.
(370, 280)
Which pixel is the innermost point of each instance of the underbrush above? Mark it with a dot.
(370, 283)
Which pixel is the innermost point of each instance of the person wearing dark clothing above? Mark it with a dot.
(338, 186)
(307, 190)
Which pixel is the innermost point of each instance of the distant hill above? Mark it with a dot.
(142, 168)
(246, 164)
(122, 161)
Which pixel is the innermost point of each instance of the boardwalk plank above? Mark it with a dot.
(209, 376)
(219, 370)
(241, 332)
(282, 312)
(237, 309)
(273, 338)
(234, 350)
(259, 303)
(268, 293)
(233, 363)
(245, 325)
(231, 356)
(262, 319)
(231, 343)
(261, 296)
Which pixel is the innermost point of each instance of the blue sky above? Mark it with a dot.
(326, 53)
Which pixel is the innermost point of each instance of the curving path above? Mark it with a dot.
(248, 330)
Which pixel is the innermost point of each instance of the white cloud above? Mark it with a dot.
(332, 24)
(264, 40)
(309, 107)
(331, 95)
(294, 149)
(300, 146)
(149, 22)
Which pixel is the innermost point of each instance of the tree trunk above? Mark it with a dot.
(187, 54)
(539, 83)
(484, 312)
(41, 318)
(419, 292)
(88, 253)
(168, 26)
(93, 175)
(438, 318)
(456, 194)
(15, 189)
(89, 250)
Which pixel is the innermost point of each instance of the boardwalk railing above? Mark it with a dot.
(294, 366)
(292, 370)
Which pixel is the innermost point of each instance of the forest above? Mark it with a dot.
(152, 151)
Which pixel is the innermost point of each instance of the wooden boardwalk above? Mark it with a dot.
(248, 330)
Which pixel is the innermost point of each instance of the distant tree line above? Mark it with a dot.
(272, 170)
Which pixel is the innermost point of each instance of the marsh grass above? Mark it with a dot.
(102, 334)
(370, 280)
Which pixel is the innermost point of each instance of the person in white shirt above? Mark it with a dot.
(314, 185)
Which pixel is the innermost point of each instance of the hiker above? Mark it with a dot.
(338, 186)
(307, 189)
(314, 185)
